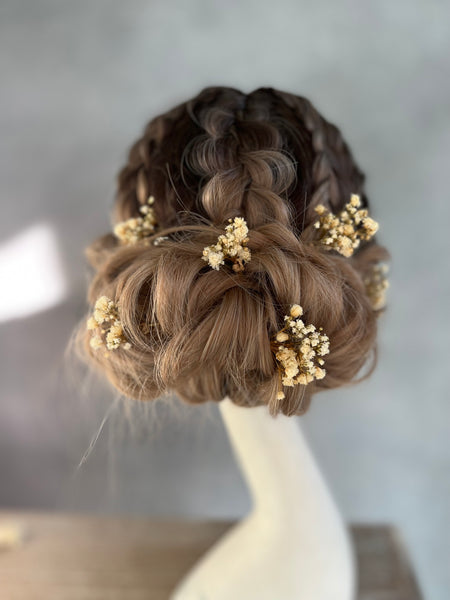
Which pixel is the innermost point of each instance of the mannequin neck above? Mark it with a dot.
(277, 464)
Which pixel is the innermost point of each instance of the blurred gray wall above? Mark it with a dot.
(78, 82)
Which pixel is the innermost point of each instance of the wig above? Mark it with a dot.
(205, 333)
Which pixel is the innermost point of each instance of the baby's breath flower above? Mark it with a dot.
(96, 342)
(214, 256)
(282, 336)
(230, 245)
(345, 231)
(113, 337)
(297, 349)
(296, 310)
(106, 312)
(137, 229)
(376, 283)
(92, 323)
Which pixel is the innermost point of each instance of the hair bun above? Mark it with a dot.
(199, 284)
(206, 333)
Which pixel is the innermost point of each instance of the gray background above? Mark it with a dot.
(78, 82)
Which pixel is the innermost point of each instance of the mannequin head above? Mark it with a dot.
(202, 333)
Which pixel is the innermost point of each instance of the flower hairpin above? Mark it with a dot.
(376, 284)
(298, 348)
(343, 232)
(230, 245)
(138, 229)
(106, 325)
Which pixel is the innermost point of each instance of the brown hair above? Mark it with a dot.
(269, 157)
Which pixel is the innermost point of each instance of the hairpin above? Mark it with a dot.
(138, 229)
(106, 311)
(298, 349)
(230, 246)
(161, 238)
(343, 232)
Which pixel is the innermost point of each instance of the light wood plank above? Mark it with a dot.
(75, 557)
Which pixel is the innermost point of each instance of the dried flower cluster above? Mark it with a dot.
(345, 231)
(106, 325)
(298, 348)
(230, 246)
(376, 283)
(137, 229)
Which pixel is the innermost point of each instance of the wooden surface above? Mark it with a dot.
(67, 557)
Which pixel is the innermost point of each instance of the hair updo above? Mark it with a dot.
(203, 333)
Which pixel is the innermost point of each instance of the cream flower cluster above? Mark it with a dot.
(230, 246)
(345, 231)
(106, 312)
(298, 349)
(376, 283)
(137, 229)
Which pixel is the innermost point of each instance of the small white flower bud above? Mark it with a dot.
(296, 310)
(282, 336)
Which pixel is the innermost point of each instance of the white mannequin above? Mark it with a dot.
(293, 545)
